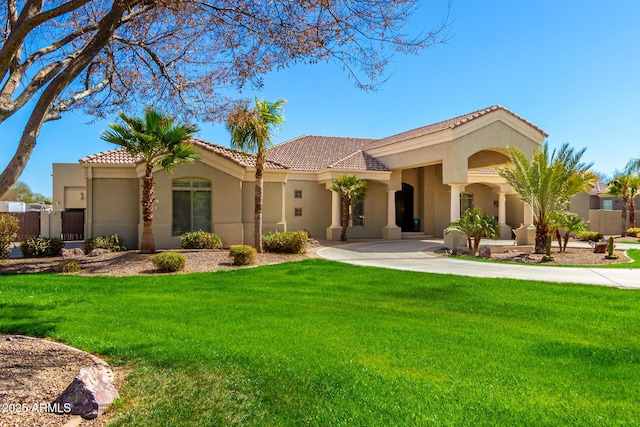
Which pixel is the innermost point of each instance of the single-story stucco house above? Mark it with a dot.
(417, 181)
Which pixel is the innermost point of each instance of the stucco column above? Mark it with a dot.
(455, 201)
(526, 235)
(527, 219)
(503, 228)
(391, 208)
(391, 231)
(335, 209)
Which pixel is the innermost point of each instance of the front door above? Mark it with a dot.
(404, 207)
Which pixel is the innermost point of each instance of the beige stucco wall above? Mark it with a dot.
(483, 198)
(69, 186)
(515, 211)
(114, 209)
(579, 204)
(375, 213)
(497, 135)
(436, 202)
(273, 218)
(315, 204)
(226, 204)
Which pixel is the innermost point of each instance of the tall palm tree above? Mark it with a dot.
(547, 182)
(252, 130)
(634, 190)
(351, 189)
(156, 140)
(619, 187)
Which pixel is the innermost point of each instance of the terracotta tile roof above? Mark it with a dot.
(360, 161)
(446, 124)
(315, 153)
(120, 156)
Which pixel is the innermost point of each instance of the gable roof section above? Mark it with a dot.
(120, 156)
(315, 153)
(447, 124)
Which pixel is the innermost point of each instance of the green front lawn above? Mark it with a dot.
(328, 344)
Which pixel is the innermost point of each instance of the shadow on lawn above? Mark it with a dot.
(27, 319)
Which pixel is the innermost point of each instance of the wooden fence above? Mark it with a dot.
(73, 225)
(29, 224)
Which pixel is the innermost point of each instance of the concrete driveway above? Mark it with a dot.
(418, 255)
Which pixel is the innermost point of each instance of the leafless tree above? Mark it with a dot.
(181, 56)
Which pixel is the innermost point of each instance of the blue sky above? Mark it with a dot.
(570, 67)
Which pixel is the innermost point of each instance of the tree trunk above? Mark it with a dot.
(632, 212)
(559, 239)
(257, 217)
(345, 217)
(148, 244)
(623, 226)
(542, 230)
(566, 241)
(476, 244)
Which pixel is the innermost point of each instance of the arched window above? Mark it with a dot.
(191, 205)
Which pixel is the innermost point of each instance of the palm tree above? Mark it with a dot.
(547, 182)
(474, 224)
(252, 130)
(157, 141)
(619, 187)
(351, 189)
(568, 222)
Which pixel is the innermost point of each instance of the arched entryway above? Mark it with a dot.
(404, 207)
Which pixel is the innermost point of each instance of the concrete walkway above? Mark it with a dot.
(418, 255)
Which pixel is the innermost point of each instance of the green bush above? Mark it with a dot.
(38, 247)
(633, 232)
(200, 240)
(169, 262)
(9, 226)
(111, 243)
(286, 242)
(69, 266)
(590, 236)
(242, 255)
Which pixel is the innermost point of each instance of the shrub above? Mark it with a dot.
(242, 255)
(633, 232)
(69, 266)
(590, 236)
(112, 243)
(9, 226)
(38, 247)
(169, 262)
(200, 240)
(286, 242)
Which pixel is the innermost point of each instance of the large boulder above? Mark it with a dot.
(71, 253)
(89, 394)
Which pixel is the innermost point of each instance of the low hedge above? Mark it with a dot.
(38, 247)
(590, 236)
(242, 255)
(633, 232)
(169, 262)
(200, 240)
(287, 242)
(9, 226)
(113, 243)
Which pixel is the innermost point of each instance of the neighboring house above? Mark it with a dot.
(601, 211)
(419, 180)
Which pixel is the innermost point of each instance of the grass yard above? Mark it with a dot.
(328, 344)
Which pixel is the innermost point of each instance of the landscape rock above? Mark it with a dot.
(71, 253)
(600, 248)
(89, 394)
(98, 252)
(484, 251)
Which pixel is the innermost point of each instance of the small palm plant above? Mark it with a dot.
(156, 140)
(351, 189)
(475, 225)
(568, 222)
